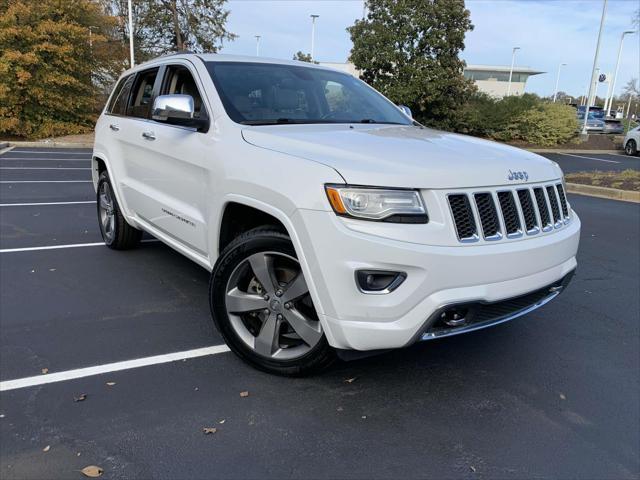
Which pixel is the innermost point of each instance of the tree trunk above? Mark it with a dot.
(176, 25)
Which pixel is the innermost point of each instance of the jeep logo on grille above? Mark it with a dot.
(518, 175)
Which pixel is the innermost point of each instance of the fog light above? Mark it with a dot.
(379, 281)
(454, 317)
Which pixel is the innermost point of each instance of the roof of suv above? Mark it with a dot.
(218, 57)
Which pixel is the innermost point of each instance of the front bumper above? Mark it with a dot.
(437, 276)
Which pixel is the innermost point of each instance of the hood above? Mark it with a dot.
(405, 156)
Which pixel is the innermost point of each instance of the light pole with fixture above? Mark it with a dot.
(609, 100)
(555, 92)
(313, 34)
(513, 59)
(133, 62)
(258, 45)
(593, 69)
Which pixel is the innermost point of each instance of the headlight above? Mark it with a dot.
(378, 204)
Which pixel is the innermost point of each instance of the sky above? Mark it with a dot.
(549, 32)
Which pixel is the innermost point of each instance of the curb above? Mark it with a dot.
(4, 145)
(569, 150)
(52, 144)
(604, 192)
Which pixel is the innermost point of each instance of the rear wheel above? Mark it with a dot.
(631, 148)
(261, 305)
(115, 230)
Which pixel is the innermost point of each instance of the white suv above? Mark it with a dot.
(329, 219)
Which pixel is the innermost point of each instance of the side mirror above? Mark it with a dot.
(406, 110)
(176, 110)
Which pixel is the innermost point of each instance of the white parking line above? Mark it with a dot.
(53, 153)
(43, 204)
(45, 168)
(110, 367)
(70, 245)
(589, 158)
(46, 181)
(27, 159)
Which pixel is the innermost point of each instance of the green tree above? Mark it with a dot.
(303, 57)
(164, 26)
(51, 67)
(408, 49)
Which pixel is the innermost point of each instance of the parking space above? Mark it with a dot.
(551, 395)
(607, 162)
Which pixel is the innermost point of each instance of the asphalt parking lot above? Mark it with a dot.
(606, 162)
(551, 395)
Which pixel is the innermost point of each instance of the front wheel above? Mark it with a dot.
(631, 148)
(261, 305)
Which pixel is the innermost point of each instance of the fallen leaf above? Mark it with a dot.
(52, 269)
(80, 398)
(78, 454)
(340, 409)
(196, 389)
(2, 415)
(208, 430)
(92, 471)
(350, 380)
(111, 384)
(244, 394)
(472, 468)
(45, 370)
(364, 417)
(562, 396)
(222, 421)
(47, 448)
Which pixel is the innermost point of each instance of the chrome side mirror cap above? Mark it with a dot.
(167, 108)
(406, 110)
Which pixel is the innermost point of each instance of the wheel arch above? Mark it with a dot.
(282, 220)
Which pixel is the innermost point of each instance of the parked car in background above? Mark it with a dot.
(632, 141)
(598, 122)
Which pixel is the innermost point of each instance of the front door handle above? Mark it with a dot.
(114, 127)
(149, 135)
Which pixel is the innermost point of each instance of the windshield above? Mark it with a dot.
(265, 94)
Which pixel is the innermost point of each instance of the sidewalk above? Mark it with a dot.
(84, 140)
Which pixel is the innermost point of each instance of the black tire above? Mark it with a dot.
(631, 148)
(262, 239)
(123, 236)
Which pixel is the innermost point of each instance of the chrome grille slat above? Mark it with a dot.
(543, 208)
(464, 218)
(555, 208)
(488, 216)
(508, 213)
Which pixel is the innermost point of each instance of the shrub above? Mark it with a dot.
(547, 124)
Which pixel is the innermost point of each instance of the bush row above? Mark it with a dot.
(525, 118)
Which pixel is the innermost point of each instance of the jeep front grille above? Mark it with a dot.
(508, 213)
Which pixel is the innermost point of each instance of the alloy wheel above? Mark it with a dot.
(106, 207)
(269, 306)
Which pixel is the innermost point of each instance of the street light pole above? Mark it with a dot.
(609, 99)
(513, 59)
(258, 45)
(133, 62)
(555, 92)
(313, 34)
(595, 63)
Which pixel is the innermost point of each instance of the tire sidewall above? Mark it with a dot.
(631, 148)
(104, 178)
(233, 255)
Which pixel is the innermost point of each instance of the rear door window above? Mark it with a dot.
(142, 94)
(120, 99)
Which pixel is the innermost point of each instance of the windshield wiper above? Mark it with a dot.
(371, 120)
(275, 121)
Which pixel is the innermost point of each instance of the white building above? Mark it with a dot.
(494, 80)
(490, 79)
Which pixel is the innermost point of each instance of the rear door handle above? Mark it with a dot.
(149, 135)
(114, 127)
